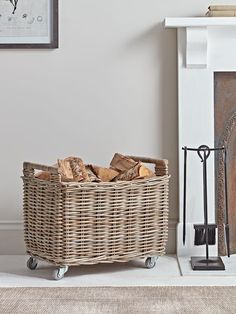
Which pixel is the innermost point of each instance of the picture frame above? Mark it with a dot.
(29, 24)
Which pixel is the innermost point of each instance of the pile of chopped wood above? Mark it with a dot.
(122, 168)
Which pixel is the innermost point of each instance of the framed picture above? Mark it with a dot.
(29, 24)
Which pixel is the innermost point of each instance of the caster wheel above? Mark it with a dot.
(59, 272)
(150, 262)
(32, 263)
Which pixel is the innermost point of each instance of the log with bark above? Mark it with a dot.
(78, 169)
(64, 169)
(105, 174)
(43, 175)
(122, 163)
(139, 171)
(72, 169)
(91, 174)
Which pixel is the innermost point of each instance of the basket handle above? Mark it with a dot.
(29, 171)
(161, 165)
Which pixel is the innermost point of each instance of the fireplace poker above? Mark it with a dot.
(206, 154)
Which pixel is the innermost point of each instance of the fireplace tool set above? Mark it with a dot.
(205, 234)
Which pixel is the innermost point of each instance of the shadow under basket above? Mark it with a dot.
(69, 223)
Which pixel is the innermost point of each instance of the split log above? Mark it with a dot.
(64, 169)
(78, 169)
(72, 169)
(145, 172)
(43, 175)
(122, 163)
(139, 171)
(91, 174)
(105, 174)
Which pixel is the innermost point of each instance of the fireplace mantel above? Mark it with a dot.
(176, 22)
(205, 46)
(197, 39)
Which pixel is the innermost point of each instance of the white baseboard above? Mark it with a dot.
(12, 241)
(11, 225)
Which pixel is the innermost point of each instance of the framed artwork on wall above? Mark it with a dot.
(29, 24)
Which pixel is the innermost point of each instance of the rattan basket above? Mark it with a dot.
(87, 223)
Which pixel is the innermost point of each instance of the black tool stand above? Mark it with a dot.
(206, 263)
(212, 263)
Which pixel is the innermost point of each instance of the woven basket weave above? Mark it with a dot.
(89, 223)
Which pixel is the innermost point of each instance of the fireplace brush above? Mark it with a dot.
(205, 234)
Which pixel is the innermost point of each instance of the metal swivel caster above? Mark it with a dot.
(151, 262)
(59, 272)
(32, 263)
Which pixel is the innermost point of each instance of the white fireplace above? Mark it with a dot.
(205, 46)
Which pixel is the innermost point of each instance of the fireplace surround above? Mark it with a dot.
(206, 50)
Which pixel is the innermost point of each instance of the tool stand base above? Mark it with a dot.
(201, 263)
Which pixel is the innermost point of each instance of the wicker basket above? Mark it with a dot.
(88, 223)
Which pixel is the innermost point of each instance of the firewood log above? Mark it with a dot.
(78, 169)
(105, 174)
(43, 175)
(145, 172)
(122, 163)
(139, 171)
(72, 169)
(91, 174)
(64, 169)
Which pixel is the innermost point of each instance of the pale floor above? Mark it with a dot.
(14, 273)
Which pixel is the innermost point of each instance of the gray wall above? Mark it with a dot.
(112, 86)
